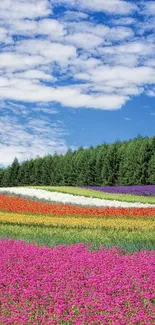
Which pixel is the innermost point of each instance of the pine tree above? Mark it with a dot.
(14, 171)
(143, 157)
(110, 170)
(151, 170)
(6, 180)
(38, 171)
(100, 158)
(24, 174)
(67, 165)
(46, 171)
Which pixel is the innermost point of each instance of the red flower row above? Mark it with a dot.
(16, 204)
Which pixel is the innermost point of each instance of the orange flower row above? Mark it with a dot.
(17, 204)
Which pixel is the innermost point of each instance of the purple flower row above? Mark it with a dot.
(135, 190)
(73, 285)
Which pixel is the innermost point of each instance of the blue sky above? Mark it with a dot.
(74, 73)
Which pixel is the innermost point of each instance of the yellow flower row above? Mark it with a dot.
(80, 222)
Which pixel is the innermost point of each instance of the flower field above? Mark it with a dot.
(67, 198)
(106, 193)
(147, 190)
(70, 259)
(71, 285)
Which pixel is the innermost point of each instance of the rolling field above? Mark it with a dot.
(74, 256)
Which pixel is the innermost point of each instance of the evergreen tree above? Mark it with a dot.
(122, 163)
(151, 170)
(67, 166)
(24, 174)
(6, 180)
(90, 164)
(57, 170)
(100, 158)
(46, 171)
(14, 171)
(38, 171)
(110, 170)
(123, 166)
(143, 157)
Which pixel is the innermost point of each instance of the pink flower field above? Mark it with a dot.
(73, 285)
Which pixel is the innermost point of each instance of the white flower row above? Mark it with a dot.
(70, 199)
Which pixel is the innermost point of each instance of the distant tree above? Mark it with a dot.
(121, 163)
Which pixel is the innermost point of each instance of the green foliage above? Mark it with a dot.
(1, 176)
(122, 163)
(151, 170)
(110, 170)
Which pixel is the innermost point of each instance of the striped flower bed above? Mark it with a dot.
(72, 199)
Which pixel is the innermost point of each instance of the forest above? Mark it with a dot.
(121, 163)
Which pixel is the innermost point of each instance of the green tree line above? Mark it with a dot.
(121, 163)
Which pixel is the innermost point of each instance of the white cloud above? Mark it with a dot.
(121, 76)
(83, 40)
(16, 61)
(123, 21)
(4, 36)
(47, 51)
(149, 8)
(30, 91)
(34, 74)
(127, 119)
(137, 47)
(100, 30)
(151, 92)
(70, 15)
(19, 9)
(112, 6)
(46, 27)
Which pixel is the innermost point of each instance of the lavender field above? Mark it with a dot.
(146, 190)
